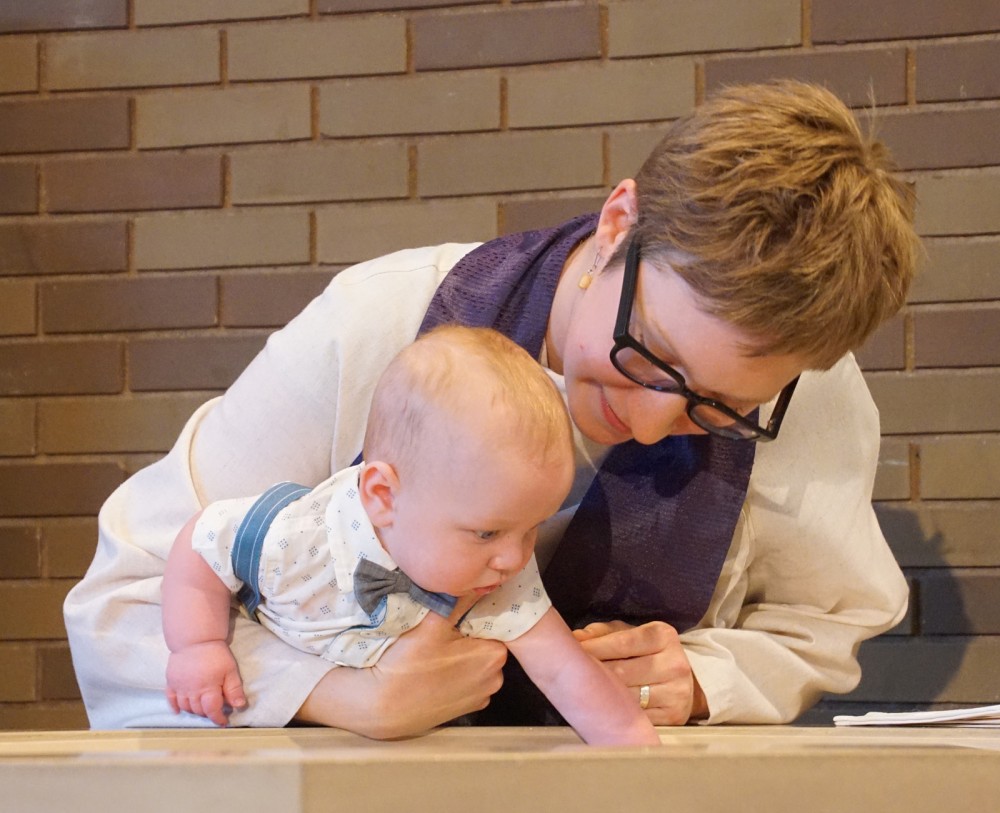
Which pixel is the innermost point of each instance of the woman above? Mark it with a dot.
(718, 577)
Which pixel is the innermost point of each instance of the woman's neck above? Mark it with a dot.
(578, 263)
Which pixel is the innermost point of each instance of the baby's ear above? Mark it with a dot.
(377, 485)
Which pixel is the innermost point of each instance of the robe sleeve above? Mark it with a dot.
(296, 413)
(809, 575)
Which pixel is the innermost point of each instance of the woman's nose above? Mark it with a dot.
(654, 415)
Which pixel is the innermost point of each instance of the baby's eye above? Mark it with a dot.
(484, 535)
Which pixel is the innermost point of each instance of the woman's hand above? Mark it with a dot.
(648, 655)
(431, 675)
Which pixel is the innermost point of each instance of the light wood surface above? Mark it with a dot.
(745, 769)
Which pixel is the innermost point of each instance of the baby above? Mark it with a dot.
(468, 449)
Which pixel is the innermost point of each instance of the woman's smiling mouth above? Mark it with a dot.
(612, 419)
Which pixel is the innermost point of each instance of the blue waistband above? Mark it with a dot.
(250, 539)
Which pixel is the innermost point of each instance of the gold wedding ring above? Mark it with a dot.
(643, 696)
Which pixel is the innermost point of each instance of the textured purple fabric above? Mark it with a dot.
(649, 539)
(509, 283)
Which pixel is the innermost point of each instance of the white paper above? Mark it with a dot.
(978, 717)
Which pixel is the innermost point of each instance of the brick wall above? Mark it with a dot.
(179, 177)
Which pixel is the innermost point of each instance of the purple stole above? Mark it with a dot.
(650, 536)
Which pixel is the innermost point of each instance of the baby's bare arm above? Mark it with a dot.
(195, 601)
(202, 674)
(592, 701)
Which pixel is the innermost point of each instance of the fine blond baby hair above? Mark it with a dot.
(463, 377)
(782, 216)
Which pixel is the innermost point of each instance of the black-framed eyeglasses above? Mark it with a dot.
(639, 364)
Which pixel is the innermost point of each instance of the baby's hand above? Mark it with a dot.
(203, 679)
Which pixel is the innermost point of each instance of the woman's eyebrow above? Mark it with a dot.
(673, 358)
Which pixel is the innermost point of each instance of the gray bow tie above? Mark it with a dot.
(372, 583)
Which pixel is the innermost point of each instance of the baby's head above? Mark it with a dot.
(468, 448)
(454, 380)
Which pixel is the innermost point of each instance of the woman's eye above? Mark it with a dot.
(484, 535)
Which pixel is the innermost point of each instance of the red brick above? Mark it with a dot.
(941, 139)
(68, 546)
(18, 189)
(232, 115)
(17, 427)
(114, 59)
(342, 6)
(957, 336)
(62, 15)
(222, 238)
(20, 552)
(190, 363)
(908, 623)
(960, 467)
(331, 171)
(958, 71)
(60, 367)
(353, 232)
(134, 463)
(958, 269)
(63, 246)
(18, 64)
(886, 348)
(56, 489)
(171, 12)
(524, 215)
(947, 669)
(61, 125)
(852, 20)
(148, 181)
(268, 298)
(32, 609)
(655, 27)
(505, 37)
(147, 303)
(18, 665)
(892, 477)
(942, 534)
(629, 148)
(58, 680)
(509, 162)
(597, 93)
(140, 423)
(959, 601)
(355, 46)
(858, 76)
(54, 715)
(952, 203)
(906, 408)
(17, 318)
(422, 103)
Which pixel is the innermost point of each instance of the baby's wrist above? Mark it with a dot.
(192, 647)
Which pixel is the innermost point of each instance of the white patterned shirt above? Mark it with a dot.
(306, 577)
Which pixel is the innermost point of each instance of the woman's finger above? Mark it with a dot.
(599, 629)
(619, 642)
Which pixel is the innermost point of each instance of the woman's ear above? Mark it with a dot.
(618, 215)
(377, 486)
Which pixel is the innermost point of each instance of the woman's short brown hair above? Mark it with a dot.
(783, 217)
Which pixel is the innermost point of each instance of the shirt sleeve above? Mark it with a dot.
(214, 535)
(511, 610)
(809, 575)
